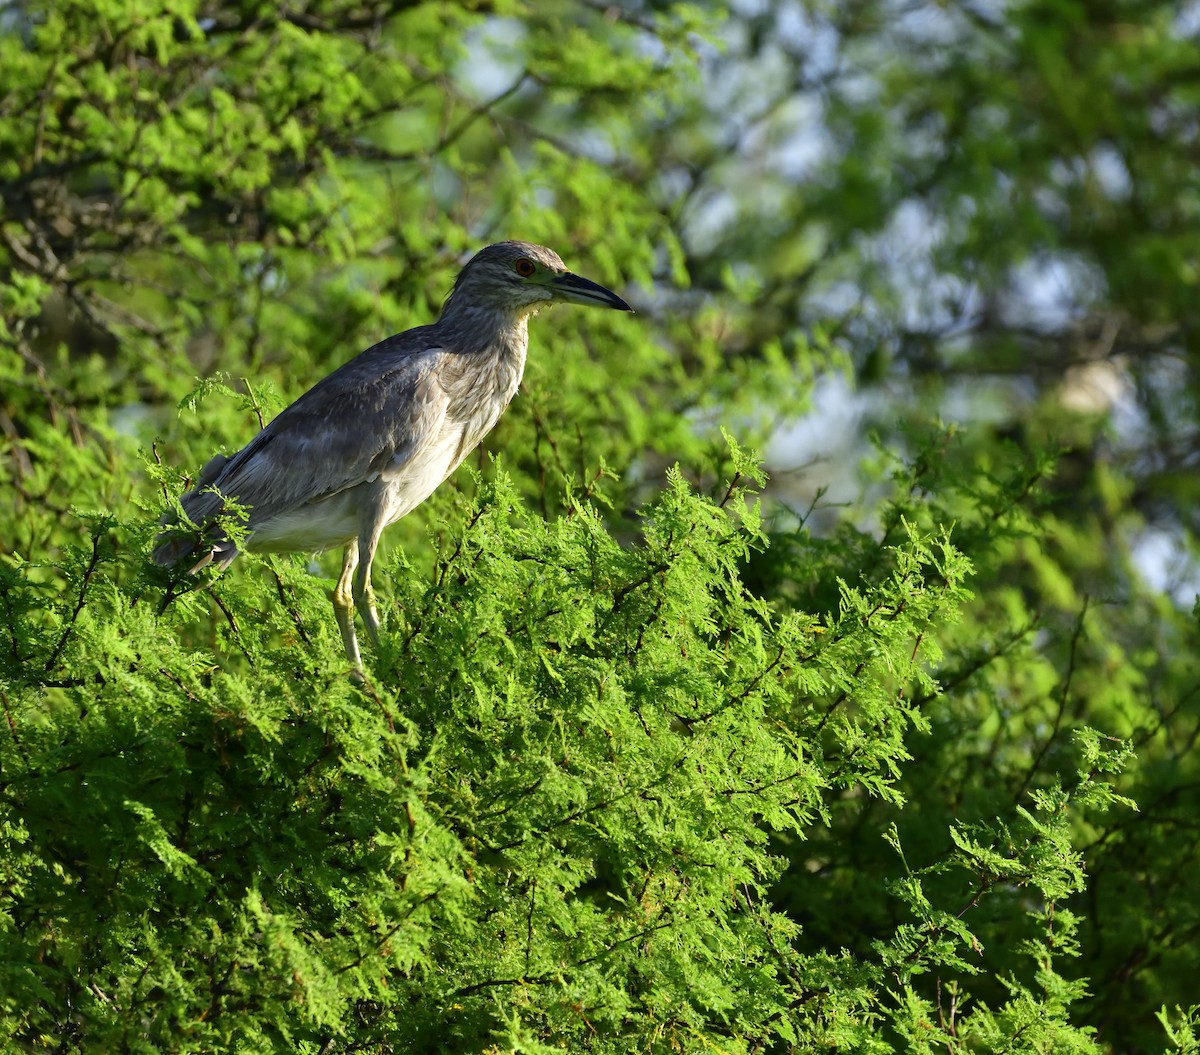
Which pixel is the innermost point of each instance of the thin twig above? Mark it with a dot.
(88, 572)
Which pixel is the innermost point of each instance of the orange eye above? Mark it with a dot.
(524, 267)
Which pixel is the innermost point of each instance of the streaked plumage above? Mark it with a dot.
(371, 441)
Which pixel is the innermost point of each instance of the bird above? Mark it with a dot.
(371, 441)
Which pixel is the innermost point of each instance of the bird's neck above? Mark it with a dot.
(507, 350)
(486, 368)
(485, 330)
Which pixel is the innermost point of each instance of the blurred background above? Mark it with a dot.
(935, 260)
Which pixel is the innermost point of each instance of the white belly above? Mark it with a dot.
(406, 486)
(395, 492)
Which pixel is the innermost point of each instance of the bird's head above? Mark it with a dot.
(517, 278)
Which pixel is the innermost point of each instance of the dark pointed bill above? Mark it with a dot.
(585, 291)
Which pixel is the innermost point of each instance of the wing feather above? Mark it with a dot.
(373, 414)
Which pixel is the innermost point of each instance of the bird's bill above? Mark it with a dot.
(585, 291)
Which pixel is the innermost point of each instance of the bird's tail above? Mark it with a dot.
(207, 543)
(206, 547)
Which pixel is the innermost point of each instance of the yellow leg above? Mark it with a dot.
(364, 594)
(343, 605)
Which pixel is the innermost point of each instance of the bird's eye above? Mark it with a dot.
(524, 267)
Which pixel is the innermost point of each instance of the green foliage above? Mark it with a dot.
(1181, 1028)
(546, 816)
(655, 754)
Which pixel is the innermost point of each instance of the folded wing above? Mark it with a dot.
(369, 417)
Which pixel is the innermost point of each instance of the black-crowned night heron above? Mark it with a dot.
(374, 439)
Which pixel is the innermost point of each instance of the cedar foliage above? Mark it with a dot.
(654, 755)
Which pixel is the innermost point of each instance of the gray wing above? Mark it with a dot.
(372, 414)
